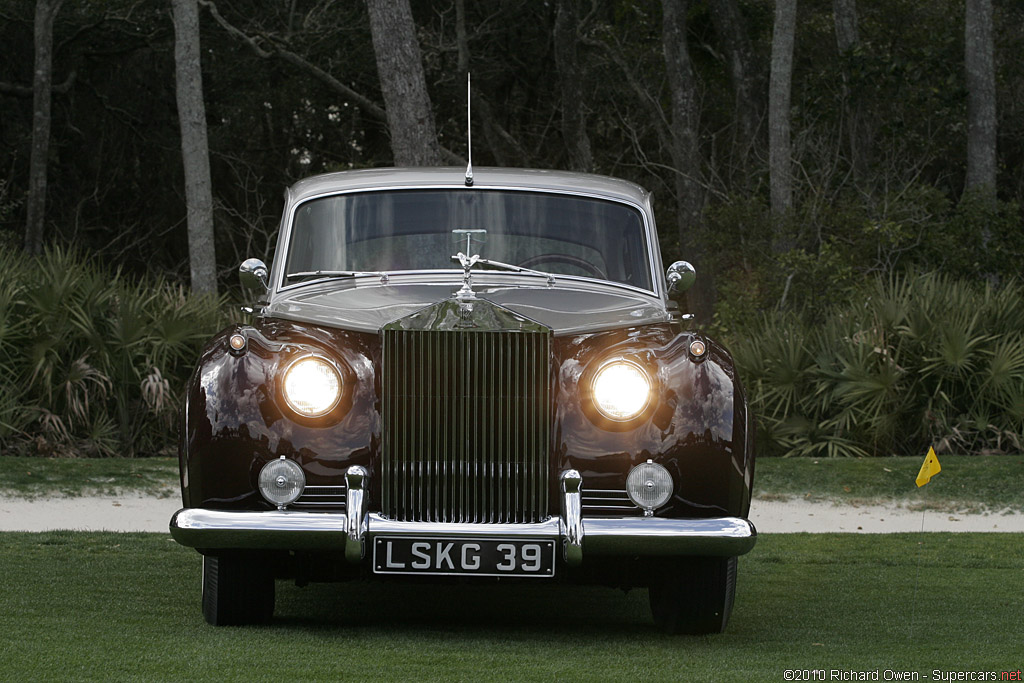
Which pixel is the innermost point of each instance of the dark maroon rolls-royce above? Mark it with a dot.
(481, 377)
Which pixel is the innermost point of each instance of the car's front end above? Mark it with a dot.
(534, 410)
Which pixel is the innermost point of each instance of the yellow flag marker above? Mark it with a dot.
(929, 468)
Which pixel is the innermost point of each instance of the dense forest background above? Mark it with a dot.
(799, 154)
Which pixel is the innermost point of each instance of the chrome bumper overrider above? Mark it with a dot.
(349, 532)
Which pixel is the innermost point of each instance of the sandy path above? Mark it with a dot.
(798, 515)
(101, 513)
(138, 513)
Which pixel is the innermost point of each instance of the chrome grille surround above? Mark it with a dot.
(466, 409)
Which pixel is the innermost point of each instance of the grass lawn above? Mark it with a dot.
(86, 606)
(967, 482)
(35, 477)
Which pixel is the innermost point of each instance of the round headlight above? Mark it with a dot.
(649, 485)
(282, 481)
(622, 390)
(312, 386)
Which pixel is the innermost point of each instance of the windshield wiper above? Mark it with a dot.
(340, 274)
(511, 268)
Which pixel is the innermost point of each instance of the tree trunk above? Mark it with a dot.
(574, 124)
(780, 166)
(685, 150)
(981, 98)
(844, 13)
(194, 148)
(400, 68)
(732, 32)
(685, 114)
(42, 86)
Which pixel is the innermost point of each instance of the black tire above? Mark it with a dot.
(237, 590)
(693, 595)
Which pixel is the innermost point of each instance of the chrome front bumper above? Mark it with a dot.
(350, 532)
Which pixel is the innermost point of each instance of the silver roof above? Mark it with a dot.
(483, 178)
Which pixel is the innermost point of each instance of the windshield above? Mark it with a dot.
(403, 230)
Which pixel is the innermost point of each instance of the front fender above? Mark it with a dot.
(696, 426)
(235, 419)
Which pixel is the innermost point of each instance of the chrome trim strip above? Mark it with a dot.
(292, 530)
(572, 517)
(607, 499)
(277, 274)
(270, 530)
(380, 526)
(719, 536)
(355, 512)
(326, 497)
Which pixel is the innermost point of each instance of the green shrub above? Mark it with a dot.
(92, 363)
(813, 259)
(915, 360)
(981, 238)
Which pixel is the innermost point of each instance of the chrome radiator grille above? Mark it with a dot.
(466, 425)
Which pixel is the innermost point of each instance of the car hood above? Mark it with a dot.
(565, 309)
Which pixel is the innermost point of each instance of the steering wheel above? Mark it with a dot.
(567, 259)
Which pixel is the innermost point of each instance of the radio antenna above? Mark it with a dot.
(469, 131)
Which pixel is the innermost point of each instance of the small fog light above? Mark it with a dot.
(697, 348)
(649, 485)
(282, 481)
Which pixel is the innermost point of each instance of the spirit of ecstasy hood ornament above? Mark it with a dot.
(466, 293)
(470, 234)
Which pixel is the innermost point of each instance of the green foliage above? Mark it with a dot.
(814, 259)
(981, 238)
(92, 363)
(914, 360)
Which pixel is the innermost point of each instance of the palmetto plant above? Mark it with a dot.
(915, 360)
(91, 362)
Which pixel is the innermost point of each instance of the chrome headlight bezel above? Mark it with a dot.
(323, 407)
(604, 389)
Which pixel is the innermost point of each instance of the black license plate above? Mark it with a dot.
(464, 556)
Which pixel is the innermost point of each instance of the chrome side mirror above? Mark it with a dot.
(253, 274)
(681, 277)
